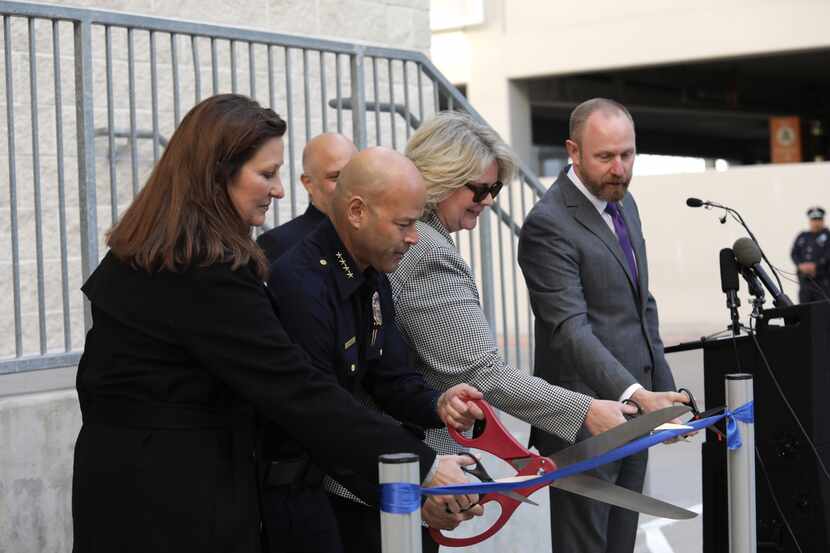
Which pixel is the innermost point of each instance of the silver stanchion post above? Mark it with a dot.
(400, 505)
(741, 470)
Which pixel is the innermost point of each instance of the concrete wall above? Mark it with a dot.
(525, 38)
(400, 23)
(38, 434)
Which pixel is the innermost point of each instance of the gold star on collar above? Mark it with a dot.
(344, 265)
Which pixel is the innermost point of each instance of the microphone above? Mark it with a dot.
(754, 285)
(748, 255)
(697, 202)
(730, 285)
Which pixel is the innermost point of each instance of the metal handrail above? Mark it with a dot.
(362, 96)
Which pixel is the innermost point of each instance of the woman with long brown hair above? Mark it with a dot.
(185, 346)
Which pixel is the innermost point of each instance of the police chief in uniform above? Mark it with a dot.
(291, 493)
(811, 255)
(336, 303)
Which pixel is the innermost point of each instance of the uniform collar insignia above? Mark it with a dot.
(344, 265)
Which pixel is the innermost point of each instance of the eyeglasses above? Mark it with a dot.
(480, 191)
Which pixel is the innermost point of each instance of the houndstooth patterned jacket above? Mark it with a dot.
(439, 313)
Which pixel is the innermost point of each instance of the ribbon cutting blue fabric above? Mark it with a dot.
(400, 499)
(743, 414)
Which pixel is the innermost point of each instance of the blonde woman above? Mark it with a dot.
(465, 165)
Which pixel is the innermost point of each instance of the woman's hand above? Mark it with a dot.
(456, 409)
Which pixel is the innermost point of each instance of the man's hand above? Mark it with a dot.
(807, 268)
(456, 409)
(434, 512)
(653, 401)
(448, 511)
(604, 415)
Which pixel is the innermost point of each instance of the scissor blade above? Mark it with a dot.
(518, 497)
(594, 488)
(617, 436)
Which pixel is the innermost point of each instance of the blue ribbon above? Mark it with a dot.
(400, 498)
(744, 413)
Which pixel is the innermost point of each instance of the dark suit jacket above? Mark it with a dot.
(172, 369)
(597, 328)
(279, 240)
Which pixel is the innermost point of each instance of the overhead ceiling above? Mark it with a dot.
(716, 109)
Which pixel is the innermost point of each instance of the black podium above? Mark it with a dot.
(796, 343)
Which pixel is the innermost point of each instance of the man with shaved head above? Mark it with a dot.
(291, 489)
(335, 301)
(323, 158)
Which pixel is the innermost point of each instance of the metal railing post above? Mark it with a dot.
(86, 154)
(488, 293)
(358, 83)
(400, 532)
(741, 470)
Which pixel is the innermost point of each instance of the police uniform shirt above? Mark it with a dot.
(279, 240)
(345, 321)
(814, 248)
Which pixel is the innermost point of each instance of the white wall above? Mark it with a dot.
(683, 243)
(524, 38)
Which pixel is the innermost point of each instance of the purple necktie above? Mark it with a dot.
(613, 210)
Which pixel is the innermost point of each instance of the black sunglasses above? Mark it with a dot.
(480, 191)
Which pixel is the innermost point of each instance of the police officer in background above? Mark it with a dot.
(323, 158)
(811, 255)
(336, 303)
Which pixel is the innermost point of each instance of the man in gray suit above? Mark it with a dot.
(584, 259)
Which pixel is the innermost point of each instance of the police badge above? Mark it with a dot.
(377, 318)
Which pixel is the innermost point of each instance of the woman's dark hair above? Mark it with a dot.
(184, 214)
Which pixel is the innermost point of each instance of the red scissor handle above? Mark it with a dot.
(495, 438)
(535, 466)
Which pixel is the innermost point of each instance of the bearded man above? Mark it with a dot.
(584, 259)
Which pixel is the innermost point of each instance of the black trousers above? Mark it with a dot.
(581, 525)
(299, 520)
(813, 290)
(359, 527)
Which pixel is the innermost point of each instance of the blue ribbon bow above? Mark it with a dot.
(744, 413)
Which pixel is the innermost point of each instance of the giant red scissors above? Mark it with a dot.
(491, 436)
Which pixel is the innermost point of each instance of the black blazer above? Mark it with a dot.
(172, 370)
(279, 240)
